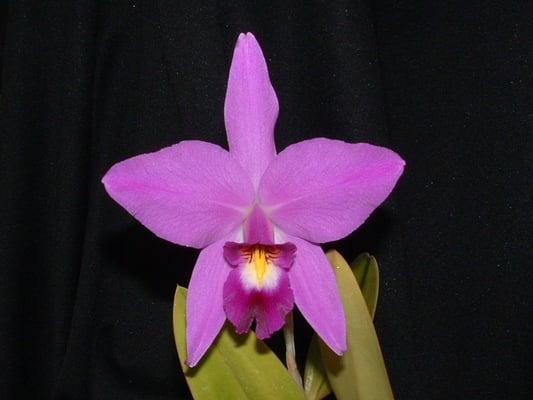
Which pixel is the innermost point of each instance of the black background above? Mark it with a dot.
(86, 292)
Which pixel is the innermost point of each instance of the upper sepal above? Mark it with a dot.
(251, 108)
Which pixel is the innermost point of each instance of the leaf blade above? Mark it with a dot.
(366, 271)
(360, 373)
(316, 383)
(236, 366)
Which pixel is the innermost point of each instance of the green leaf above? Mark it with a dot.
(365, 269)
(235, 367)
(316, 383)
(360, 373)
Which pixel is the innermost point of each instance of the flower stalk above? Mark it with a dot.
(290, 349)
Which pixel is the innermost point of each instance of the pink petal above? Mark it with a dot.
(205, 311)
(316, 293)
(192, 193)
(321, 189)
(251, 108)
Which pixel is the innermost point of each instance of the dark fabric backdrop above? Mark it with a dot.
(86, 292)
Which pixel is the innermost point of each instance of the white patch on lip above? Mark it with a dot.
(250, 280)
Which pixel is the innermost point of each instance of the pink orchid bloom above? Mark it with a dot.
(257, 215)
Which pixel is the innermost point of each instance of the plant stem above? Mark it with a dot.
(290, 350)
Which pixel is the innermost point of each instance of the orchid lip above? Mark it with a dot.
(258, 287)
(259, 263)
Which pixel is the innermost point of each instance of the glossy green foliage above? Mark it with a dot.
(316, 383)
(359, 373)
(235, 367)
(365, 269)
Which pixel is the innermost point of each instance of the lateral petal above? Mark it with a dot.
(251, 108)
(192, 193)
(204, 310)
(316, 293)
(322, 189)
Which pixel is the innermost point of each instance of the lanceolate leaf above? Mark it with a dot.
(236, 367)
(360, 373)
(316, 383)
(365, 269)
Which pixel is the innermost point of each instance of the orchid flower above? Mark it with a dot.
(259, 216)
